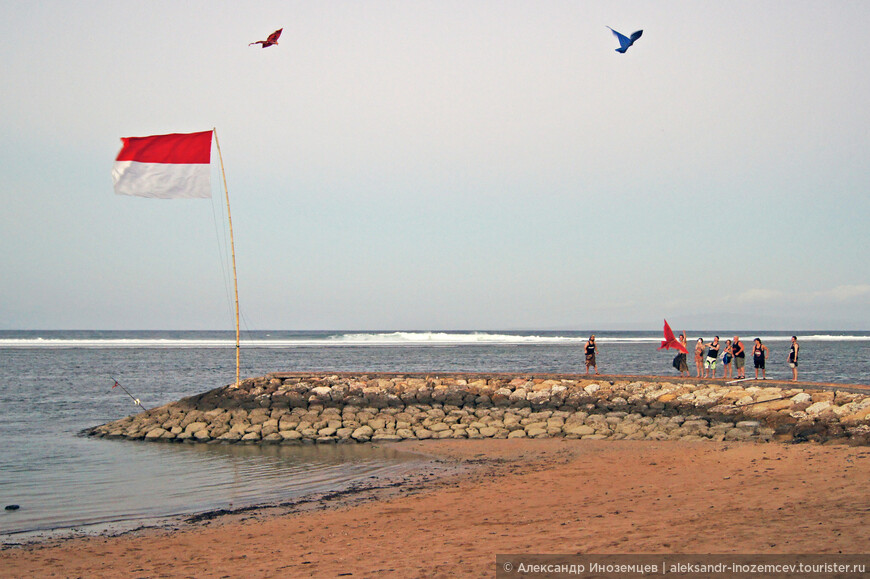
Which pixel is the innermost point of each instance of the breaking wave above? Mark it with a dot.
(262, 339)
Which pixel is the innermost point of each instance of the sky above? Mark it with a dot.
(448, 165)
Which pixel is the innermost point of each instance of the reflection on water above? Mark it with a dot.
(129, 480)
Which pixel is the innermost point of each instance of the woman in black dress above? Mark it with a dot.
(591, 350)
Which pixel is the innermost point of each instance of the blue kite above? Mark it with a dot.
(624, 41)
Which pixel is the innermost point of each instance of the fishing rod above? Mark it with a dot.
(759, 401)
(135, 400)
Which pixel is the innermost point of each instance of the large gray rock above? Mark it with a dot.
(386, 438)
(155, 433)
(202, 435)
(818, 407)
(195, 427)
(363, 433)
(578, 429)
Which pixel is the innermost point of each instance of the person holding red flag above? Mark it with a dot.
(680, 361)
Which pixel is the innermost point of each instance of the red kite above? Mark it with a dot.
(273, 39)
(671, 342)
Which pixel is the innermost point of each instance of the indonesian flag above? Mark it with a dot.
(164, 166)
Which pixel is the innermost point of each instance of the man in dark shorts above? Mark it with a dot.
(760, 353)
(739, 357)
(683, 361)
(793, 357)
(712, 358)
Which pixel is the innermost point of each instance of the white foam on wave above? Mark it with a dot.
(801, 338)
(132, 343)
(380, 339)
(113, 343)
(388, 338)
(829, 338)
(350, 339)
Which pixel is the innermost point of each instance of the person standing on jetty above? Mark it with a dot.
(699, 356)
(759, 353)
(726, 360)
(793, 357)
(712, 358)
(591, 350)
(682, 358)
(739, 358)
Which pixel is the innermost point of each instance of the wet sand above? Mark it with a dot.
(511, 496)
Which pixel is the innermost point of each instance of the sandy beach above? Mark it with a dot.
(512, 496)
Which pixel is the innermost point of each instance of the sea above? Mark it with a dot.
(55, 384)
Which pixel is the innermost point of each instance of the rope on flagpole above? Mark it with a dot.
(233, 252)
(135, 400)
(222, 245)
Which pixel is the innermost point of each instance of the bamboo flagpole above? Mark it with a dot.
(233, 252)
(174, 166)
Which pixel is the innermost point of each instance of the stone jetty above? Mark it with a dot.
(329, 408)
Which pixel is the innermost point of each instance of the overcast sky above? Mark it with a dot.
(442, 164)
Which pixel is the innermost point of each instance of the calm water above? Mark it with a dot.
(54, 384)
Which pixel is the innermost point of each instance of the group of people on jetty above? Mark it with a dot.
(733, 357)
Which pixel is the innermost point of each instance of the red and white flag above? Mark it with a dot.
(164, 166)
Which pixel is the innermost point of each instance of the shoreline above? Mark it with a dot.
(429, 468)
(512, 496)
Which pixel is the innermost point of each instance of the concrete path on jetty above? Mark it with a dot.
(745, 382)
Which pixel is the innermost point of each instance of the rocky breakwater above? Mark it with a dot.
(344, 408)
